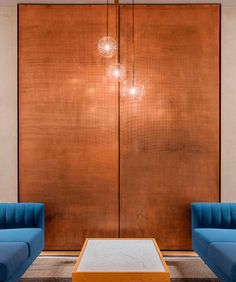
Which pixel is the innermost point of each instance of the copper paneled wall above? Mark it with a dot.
(68, 122)
(169, 140)
(105, 168)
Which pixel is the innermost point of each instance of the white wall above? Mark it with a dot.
(228, 104)
(8, 104)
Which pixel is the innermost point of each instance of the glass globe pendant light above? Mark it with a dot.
(133, 88)
(107, 46)
(116, 72)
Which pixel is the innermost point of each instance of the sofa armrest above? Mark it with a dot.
(214, 215)
(21, 215)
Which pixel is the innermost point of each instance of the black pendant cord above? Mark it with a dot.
(133, 45)
(117, 23)
(107, 16)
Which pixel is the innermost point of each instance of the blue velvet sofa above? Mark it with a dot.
(21, 238)
(214, 237)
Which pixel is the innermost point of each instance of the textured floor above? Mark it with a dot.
(59, 269)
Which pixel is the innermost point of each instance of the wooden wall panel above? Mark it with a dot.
(170, 140)
(68, 122)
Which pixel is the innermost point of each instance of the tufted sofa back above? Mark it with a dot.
(214, 215)
(21, 215)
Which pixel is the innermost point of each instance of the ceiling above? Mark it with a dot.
(14, 2)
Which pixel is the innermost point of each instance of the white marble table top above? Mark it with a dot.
(120, 256)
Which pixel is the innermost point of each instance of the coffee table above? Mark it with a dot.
(120, 260)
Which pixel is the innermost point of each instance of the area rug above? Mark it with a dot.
(59, 269)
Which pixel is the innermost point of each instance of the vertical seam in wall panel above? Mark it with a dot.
(119, 188)
(18, 112)
(219, 102)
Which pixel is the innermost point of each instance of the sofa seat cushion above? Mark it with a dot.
(12, 256)
(34, 237)
(223, 255)
(203, 237)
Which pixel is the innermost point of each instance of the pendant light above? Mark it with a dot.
(133, 88)
(117, 70)
(107, 46)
